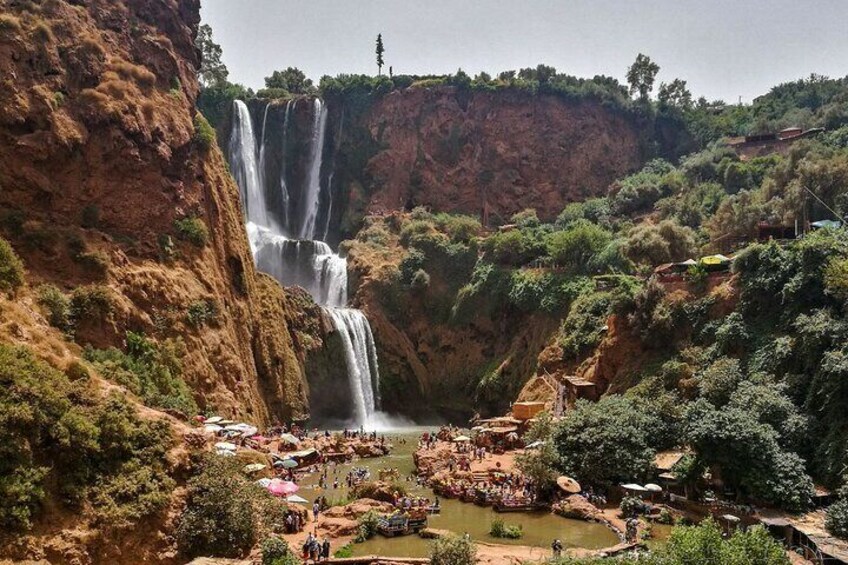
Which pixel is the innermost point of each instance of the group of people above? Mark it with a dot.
(316, 550)
(294, 520)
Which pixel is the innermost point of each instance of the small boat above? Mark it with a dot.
(511, 507)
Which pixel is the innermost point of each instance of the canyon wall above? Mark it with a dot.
(101, 157)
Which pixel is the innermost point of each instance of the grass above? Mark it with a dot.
(204, 133)
(11, 268)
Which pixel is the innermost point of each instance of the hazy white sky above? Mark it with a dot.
(723, 48)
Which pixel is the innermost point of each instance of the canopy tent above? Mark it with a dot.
(295, 499)
(832, 224)
(569, 485)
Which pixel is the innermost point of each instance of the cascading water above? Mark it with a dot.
(312, 196)
(304, 262)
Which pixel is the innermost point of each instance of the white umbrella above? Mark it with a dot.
(253, 467)
(651, 487)
(264, 482)
(225, 446)
(535, 444)
(290, 438)
(212, 428)
(225, 453)
(214, 420)
(633, 486)
(296, 499)
(462, 438)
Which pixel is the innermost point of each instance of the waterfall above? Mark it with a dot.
(361, 359)
(304, 262)
(312, 195)
(244, 167)
(291, 105)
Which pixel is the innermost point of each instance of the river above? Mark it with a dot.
(540, 528)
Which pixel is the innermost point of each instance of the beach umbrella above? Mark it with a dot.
(634, 487)
(512, 436)
(214, 420)
(568, 484)
(225, 422)
(225, 453)
(250, 431)
(225, 446)
(717, 259)
(296, 499)
(461, 438)
(286, 463)
(212, 428)
(535, 445)
(253, 467)
(478, 428)
(651, 487)
(278, 487)
(264, 482)
(290, 439)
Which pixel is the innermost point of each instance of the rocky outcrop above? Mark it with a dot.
(100, 155)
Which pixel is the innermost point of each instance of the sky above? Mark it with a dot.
(724, 49)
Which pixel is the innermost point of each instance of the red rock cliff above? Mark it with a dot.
(509, 150)
(99, 156)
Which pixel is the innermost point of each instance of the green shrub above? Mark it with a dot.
(344, 551)
(57, 305)
(95, 261)
(274, 551)
(836, 520)
(631, 506)
(90, 301)
(367, 526)
(453, 550)
(100, 451)
(193, 230)
(420, 280)
(11, 268)
(225, 513)
(499, 529)
(202, 312)
(204, 133)
(149, 369)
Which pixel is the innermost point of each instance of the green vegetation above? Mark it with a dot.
(149, 369)
(275, 551)
(202, 312)
(453, 550)
(11, 268)
(193, 230)
(499, 529)
(226, 513)
(704, 545)
(204, 133)
(60, 441)
(368, 523)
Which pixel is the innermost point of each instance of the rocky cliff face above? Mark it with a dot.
(458, 151)
(100, 156)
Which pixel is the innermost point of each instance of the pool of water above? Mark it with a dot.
(540, 528)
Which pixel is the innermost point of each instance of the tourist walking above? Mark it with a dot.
(556, 548)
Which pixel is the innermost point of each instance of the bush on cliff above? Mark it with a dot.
(193, 230)
(59, 440)
(149, 369)
(11, 268)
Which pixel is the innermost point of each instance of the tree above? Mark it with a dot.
(292, 79)
(836, 520)
(574, 247)
(213, 71)
(675, 94)
(380, 50)
(641, 75)
(606, 441)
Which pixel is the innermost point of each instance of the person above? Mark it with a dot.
(556, 547)
(316, 510)
(325, 549)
